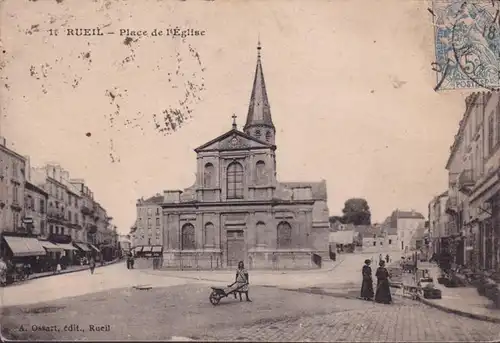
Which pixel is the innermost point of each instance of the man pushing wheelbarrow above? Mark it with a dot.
(240, 285)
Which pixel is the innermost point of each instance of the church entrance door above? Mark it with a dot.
(235, 247)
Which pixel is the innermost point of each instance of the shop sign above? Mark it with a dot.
(60, 238)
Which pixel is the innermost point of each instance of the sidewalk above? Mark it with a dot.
(70, 269)
(464, 301)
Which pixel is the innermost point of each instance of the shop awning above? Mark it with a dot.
(137, 249)
(147, 249)
(25, 246)
(51, 246)
(157, 249)
(83, 246)
(93, 247)
(66, 246)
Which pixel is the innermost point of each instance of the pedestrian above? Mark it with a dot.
(92, 265)
(242, 280)
(380, 258)
(132, 261)
(367, 284)
(58, 268)
(387, 258)
(383, 293)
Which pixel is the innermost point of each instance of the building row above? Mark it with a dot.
(237, 209)
(46, 216)
(465, 217)
(402, 231)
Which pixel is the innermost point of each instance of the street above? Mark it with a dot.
(106, 306)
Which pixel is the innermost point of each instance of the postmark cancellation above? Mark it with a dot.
(467, 44)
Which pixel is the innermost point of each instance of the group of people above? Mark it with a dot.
(382, 293)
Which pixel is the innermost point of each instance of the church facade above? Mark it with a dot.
(237, 210)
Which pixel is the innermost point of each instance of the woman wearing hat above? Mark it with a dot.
(367, 285)
(383, 293)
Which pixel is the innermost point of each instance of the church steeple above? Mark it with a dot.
(259, 121)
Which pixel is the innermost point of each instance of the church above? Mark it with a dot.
(237, 210)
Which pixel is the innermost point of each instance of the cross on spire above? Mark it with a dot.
(258, 48)
(234, 121)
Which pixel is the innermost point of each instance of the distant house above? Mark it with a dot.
(406, 223)
(342, 241)
(391, 235)
(417, 241)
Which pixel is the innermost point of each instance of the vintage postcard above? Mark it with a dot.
(250, 170)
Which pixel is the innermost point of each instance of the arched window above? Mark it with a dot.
(284, 235)
(260, 232)
(188, 237)
(261, 172)
(268, 136)
(208, 175)
(235, 181)
(257, 134)
(209, 235)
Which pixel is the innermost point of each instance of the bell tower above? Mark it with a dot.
(259, 122)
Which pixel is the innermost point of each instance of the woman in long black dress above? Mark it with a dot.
(383, 294)
(367, 285)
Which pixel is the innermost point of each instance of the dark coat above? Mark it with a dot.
(367, 284)
(383, 293)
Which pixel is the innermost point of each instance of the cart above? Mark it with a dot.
(219, 293)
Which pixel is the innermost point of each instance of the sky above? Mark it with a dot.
(349, 82)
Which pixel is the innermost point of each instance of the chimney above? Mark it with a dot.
(3, 142)
(65, 176)
(27, 168)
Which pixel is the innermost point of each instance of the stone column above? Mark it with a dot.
(198, 224)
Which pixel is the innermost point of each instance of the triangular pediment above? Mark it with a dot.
(234, 140)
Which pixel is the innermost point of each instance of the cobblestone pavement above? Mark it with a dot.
(397, 323)
(274, 315)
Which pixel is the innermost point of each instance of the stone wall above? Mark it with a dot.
(280, 260)
(272, 260)
(192, 260)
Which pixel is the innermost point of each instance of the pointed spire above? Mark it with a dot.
(235, 127)
(259, 110)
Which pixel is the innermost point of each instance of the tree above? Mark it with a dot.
(336, 219)
(356, 211)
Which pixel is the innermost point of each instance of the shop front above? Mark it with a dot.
(84, 252)
(95, 252)
(20, 250)
(48, 262)
(21, 247)
(67, 257)
(108, 252)
(486, 202)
